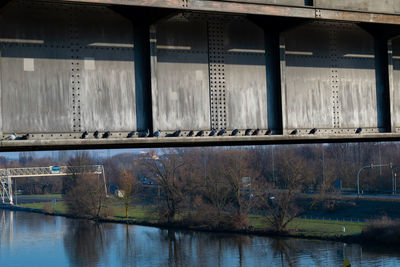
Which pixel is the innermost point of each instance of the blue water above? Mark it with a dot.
(28, 239)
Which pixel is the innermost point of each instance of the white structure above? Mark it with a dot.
(7, 174)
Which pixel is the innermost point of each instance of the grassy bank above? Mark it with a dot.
(138, 213)
(314, 228)
(58, 208)
(299, 227)
(42, 196)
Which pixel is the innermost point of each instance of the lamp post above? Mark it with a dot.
(323, 165)
(380, 169)
(273, 164)
(394, 180)
(358, 177)
(370, 166)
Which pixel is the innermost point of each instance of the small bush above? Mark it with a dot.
(383, 230)
(209, 217)
(48, 207)
(106, 212)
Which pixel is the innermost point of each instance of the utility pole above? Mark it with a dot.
(390, 165)
(273, 164)
(380, 169)
(394, 180)
(205, 169)
(358, 177)
(323, 165)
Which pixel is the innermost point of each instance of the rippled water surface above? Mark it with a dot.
(28, 239)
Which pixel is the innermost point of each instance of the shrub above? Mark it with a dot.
(208, 216)
(48, 207)
(87, 197)
(383, 230)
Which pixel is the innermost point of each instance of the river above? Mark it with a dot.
(28, 239)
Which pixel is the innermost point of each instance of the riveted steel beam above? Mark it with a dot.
(256, 8)
(154, 142)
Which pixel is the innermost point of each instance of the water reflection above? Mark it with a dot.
(6, 225)
(282, 249)
(127, 250)
(29, 239)
(87, 243)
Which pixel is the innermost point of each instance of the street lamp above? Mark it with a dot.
(394, 180)
(358, 177)
(370, 166)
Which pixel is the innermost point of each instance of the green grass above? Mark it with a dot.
(311, 227)
(138, 213)
(59, 207)
(257, 221)
(44, 195)
(299, 226)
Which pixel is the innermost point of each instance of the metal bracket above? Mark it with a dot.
(318, 13)
(185, 3)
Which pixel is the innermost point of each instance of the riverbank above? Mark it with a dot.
(146, 216)
(30, 239)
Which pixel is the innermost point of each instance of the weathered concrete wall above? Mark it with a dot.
(69, 68)
(35, 68)
(353, 11)
(274, 2)
(245, 76)
(358, 89)
(66, 68)
(394, 71)
(306, 87)
(107, 63)
(376, 6)
(330, 79)
(208, 72)
(180, 82)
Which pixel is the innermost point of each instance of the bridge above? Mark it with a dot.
(154, 73)
(7, 174)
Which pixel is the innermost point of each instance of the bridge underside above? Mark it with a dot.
(67, 68)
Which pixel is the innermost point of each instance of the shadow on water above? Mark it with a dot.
(126, 248)
(379, 250)
(185, 247)
(282, 250)
(87, 243)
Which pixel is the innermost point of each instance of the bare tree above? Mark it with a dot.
(209, 186)
(239, 174)
(84, 192)
(79, 159)
(282, 199)
(166, 173)
(87, 197)
(220, 186)
(130, 186)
